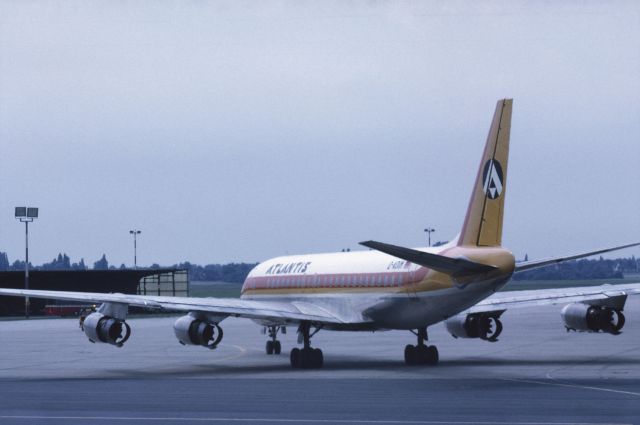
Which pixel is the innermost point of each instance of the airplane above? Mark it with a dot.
(388, 287)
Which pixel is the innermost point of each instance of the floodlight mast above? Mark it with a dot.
(135, 233)
(429, 230)
(26, 215)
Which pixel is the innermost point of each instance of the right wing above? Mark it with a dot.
(266, 310)
(528, 265)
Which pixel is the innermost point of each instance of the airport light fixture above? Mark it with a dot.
(135, 234)
(429, 230)
(26, 215)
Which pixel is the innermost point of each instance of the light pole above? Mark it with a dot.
(26, 215)
(135, 234)
(429, 230)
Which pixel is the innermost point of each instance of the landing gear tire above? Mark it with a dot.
(318, 358)
(307, 358)
(294, 357)
(410, 356)
(273, 345)
(432, 355)
(421, 354)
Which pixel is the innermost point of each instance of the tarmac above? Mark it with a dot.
(537, 373)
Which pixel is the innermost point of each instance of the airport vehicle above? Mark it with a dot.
(388, 287)
(63, 310)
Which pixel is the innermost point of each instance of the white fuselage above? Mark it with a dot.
(373, 289)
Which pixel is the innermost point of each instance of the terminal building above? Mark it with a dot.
(163, 282)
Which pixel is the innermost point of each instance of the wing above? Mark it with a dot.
(527, 265)
(514, 299)
(265, 310)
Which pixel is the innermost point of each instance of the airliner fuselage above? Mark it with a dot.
(377, 290)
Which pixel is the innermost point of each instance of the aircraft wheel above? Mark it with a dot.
(433, 356)
(269, 347)
(306, 358)
(422, 354)
(277, 347)
(295, 357)
(410, 355)
(318, 358)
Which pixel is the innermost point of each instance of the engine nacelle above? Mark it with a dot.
(192, 331)
(592, 318)
(476, 325)
(101, 328)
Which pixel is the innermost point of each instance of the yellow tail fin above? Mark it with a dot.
(483, 222)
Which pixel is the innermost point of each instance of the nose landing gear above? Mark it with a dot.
(421, 354)
(273, 345)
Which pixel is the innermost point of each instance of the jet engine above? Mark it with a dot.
(192, 331)
(106, 329)
(592, 318)
(486, 326)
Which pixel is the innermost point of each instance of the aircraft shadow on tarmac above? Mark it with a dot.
(338, 363)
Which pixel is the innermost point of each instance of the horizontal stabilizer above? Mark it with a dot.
(528, 265)
(451, 266)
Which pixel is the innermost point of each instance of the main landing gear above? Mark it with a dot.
(421, 354)
(307, 357)
(273, 345)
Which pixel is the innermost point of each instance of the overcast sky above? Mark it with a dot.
(238, 131)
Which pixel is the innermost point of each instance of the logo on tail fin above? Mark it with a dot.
(492, 179)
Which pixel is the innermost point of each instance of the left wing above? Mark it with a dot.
(512, 299)
(269, 310)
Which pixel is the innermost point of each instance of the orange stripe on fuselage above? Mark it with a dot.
(348, 282)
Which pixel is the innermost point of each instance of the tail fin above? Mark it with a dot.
(483, 222)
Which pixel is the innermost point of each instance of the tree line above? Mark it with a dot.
(583, 269)
(237, 272)
(232, 272)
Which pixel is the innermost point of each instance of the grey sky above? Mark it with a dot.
(238, 131)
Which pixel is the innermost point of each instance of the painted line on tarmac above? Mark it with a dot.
(560, 384)
(242, 352)
(282, 420)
